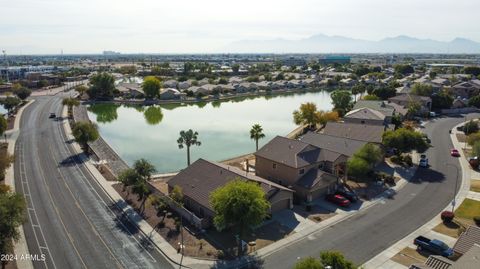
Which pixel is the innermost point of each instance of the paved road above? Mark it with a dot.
(70, 219)
(370, 232)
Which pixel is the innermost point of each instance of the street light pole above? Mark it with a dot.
(456, 185)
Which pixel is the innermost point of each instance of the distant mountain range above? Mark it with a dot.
(340, 44)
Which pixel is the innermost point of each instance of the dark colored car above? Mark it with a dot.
(338, 200)
(52, 115)
(351, 196)
(434, 246)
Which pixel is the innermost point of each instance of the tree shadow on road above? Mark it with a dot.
(248, 262)
(427, 175)
(71, 161)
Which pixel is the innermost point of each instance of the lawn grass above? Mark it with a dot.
(468, 209)
(463, 218)
(475, 185)
(409, 256)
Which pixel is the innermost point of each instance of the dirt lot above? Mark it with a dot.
(368, 190)
(409, 256)
(475, 185)
(317, 214)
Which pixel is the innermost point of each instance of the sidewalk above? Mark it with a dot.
(20, 247)
(382, 260)
(171, 253)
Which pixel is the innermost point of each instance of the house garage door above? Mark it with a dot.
(280, 205)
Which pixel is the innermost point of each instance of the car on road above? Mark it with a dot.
(52, 115)
(351, 196)
(337, 199)
(454, 153)
(423, 161)
(435, 246)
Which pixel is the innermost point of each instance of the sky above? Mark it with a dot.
(206, 26)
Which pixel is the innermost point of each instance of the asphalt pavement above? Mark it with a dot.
(369, 232)
(71, 223)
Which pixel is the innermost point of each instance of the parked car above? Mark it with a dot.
(423, 163)
(52, 115)
(473, 161)
(338, 200)
(435, 246)
(351, 196)
(454, 153)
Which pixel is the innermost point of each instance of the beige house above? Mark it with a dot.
(202, 177)
(309, 170)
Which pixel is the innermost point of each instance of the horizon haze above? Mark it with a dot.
(213, 26)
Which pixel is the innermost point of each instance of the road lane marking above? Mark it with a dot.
(84, 178)
(22, 156)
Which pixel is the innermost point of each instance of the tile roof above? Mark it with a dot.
(365, 113)
(291, 152)
(380, 106)
(467, 239)
(339, 145)
(357, 131)
(314, 177)
(203, 177)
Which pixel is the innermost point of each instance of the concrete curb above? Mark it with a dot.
(161, 244)
(20, 247)
(384, 256)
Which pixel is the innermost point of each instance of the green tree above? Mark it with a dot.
(81, 89)
(307, 115)
(441, 101)
(359, 88)
(309, 263)
(235, 68)
(23, 93)
(188, 138)
(256, 133)
(10, 103)
(70, 103)
(144, 168)
(240, 204)
(371, 153)
(371, 97)
(403, 69)
(473, 138)
(153, 115)
(470, 127)
(472, 70)
(177, 194)
(474, 101)
(85, 132)
(422, 89)
(336, 260)
(357, 167)
(128, 177)
(102, 86)
(12, 215)
(342, 101)
(405, 140)
(385, 92)
(476, 149)
(151, 87)
(3, 124)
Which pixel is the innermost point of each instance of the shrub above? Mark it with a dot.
(470, 127)
(220, 255)
(447, 216)
(408, 160)
(396, 159)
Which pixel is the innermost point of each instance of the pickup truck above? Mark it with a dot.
(435, 246)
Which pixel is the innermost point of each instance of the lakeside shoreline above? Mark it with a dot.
(228, 160)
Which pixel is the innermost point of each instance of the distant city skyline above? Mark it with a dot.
(209, 26)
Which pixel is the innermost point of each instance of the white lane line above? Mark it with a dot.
(21, 149)
(84, 178)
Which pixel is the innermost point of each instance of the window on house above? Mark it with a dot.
(302, 171)
(274, 165)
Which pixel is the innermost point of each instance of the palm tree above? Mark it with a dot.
(256, 133)
(144, 168)
(188, 138)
